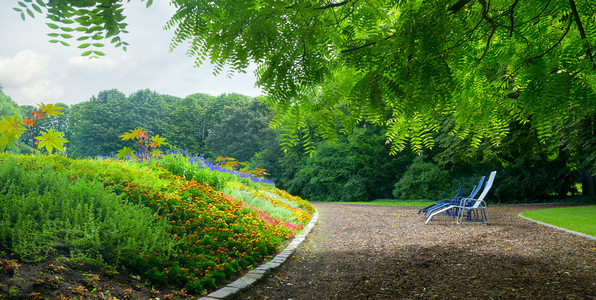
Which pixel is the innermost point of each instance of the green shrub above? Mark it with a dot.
(423, 180)
(41, 209)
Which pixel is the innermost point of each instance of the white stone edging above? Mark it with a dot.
(559, 228)
(254, 275)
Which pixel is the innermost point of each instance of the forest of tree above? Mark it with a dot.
(357, 90)
(356, 167)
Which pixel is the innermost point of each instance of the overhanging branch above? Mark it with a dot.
(582, 33)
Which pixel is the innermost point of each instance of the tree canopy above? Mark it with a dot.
(416, 67)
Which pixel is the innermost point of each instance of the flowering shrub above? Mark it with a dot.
(189, 166)
(213, 235)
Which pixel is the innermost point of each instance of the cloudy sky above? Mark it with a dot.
(32, 70)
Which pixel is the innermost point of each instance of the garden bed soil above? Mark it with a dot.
(387, 252)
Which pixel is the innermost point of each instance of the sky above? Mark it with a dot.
(32, 70)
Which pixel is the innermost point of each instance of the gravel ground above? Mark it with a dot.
(387, 252)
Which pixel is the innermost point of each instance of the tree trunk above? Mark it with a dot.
(588, 181)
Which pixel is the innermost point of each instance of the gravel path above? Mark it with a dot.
(386, 252)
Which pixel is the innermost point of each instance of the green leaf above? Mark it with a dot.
(67, 29)
(86, 53)
(37, 8)
(66, 35)
(41, 3)
(23, 16)
(125, 152)
(30, 13)
(149, 2)
(64, 43)
(83, 38)
(6, 140)
(52, 25)
(22, 4)
(51, 140)
(99, 53)
(12, 125)
(50, 109)
(17, 9)
(137, 133)
(67, 21)
(83, 46)
(53, 41)
(98, 45)
(53, 34)
(81, 29)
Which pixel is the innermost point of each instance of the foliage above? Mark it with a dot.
(12, 129)
(43, 209)
(355, 169)
(211, 236)
(423, 180)
(7, 106)
(406, 65)
(95, 125)
(188, 128)
(140, 137)
(88, 21)
(242, 131)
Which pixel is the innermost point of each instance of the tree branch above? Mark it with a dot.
(492, 24)
(545, 52)
(331, 5)
(511, 16)
(582, 33)
(358, 48)
(458, 5)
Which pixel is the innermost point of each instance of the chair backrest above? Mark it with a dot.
(477, 188)
(460, 190)
(488, 185)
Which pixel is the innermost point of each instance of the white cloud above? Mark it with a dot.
(94, 64)
(23, 68)
(26, 76)
(42, 91)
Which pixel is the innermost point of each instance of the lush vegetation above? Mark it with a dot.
(576, 218)
(471, 84)
(408, 66)
(145, 216)
(358, 167)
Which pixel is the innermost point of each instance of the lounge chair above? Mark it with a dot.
(469, 209)
(454, 212)
(455, 199)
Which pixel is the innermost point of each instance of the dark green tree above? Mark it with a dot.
(350, 169)
(187, 128)
(243, 131)
(7, 106)
(96, 124)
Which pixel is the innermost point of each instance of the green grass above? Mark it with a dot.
(577, 218)
(395, 202)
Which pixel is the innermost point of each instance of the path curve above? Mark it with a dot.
(386, 252)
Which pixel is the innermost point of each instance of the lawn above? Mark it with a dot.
(577, 218)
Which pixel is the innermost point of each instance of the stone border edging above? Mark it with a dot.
(559, 228)
(254, 275)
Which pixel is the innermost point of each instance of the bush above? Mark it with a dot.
(41, 209)
(423, 180)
